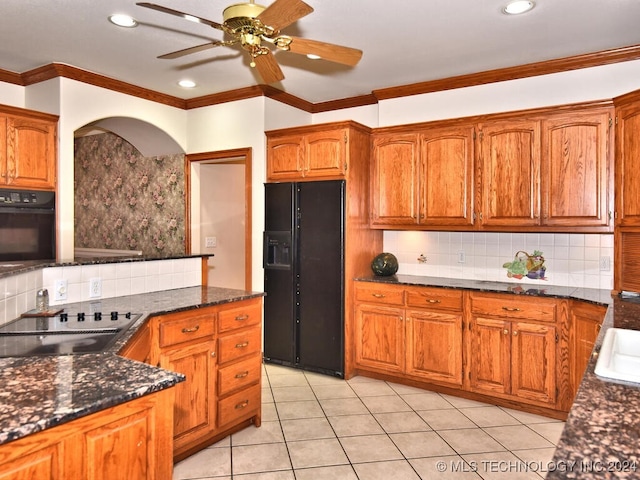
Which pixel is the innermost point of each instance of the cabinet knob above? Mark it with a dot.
(242, 345)
(213, 354)
(515, 333)
(505, 331)
(191, 330)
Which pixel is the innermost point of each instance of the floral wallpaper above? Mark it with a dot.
(125, 201)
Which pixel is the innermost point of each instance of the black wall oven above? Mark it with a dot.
(27, 225)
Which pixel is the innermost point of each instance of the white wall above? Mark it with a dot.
(12, 95)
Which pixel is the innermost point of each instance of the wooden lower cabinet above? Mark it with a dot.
(421, 343)
(519, 351)
(218, 349)
(132, 440)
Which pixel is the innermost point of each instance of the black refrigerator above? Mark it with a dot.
(304, 275)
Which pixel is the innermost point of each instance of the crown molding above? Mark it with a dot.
(547, 67)
(54, 70)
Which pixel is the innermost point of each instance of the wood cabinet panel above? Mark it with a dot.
(377, 293)
(490, 355)
(510, 171)
(284, 157)
(434, 346)
(540, 309)
(239, 375)
(585, 321)
(394, 188)
(533, 361)
(379, 338)
(139, 347)
(231, 347)
(628, 165)
(44, 463)
(440, 298)
(326, 153)
(186, 327)
(446, 176)
(194, 408)
(575, 179)
(239, 406)
(239, 315)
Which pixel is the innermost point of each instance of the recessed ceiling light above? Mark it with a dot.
(187, 83)
(313, 56)
(123, 20)
(518, 7)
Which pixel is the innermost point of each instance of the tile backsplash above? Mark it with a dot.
(580, 260)
(18, 292)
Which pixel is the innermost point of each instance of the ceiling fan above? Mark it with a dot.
(250, 25)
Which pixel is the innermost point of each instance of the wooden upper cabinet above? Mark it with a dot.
(575, 181)
(628, 165)
(28, 158)
(394, 189)
(446, 176)
(314, 155)
(284, 157)
(325, 153)
(509, 162)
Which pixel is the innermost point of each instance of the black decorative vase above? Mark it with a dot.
(384, 265)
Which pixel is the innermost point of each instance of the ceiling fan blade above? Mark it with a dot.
(268, 68)
(284, 12)
(326, 51)
(190, 50)
(186, 16)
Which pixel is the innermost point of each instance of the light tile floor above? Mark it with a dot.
(317, 427)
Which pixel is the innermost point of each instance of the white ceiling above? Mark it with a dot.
(404, 41)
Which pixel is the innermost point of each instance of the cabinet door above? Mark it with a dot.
(194, 409)
(446, 176)
(43, 463)
(394, 189)
(489, 353)
(575, 181)
(325, 154)
(585, 321)
(434, 346)
(31, 153)
(628, 165)
(285, 157)
(379, 338)
(510, 173)
(533, 365)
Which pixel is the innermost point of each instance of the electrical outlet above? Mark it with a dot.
(605, 264)
(95, 287)
(60, 290)
(461, 256)
(210, 242)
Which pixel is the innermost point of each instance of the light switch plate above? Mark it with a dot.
(210, 242)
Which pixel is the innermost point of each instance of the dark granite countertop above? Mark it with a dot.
(601, 437)
(42, 392)
(22, 266)
(591, 295)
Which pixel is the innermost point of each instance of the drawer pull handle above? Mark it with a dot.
(511, 309)
(378, 295)
(191, 330)
(240, 318)
(242, 345)
(431, 300)
(243, 374)
(242, 405)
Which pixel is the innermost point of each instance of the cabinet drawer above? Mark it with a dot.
(241, 315)
(185, 328)
(238, 406)
(424, 297)
(514, 306)
(239, 375)
(377, 293)
(236, 345)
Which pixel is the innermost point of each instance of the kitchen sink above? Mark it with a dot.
(619, 357)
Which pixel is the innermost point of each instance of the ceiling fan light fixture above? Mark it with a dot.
(517, 7)
(187, 83)
(122, 20)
